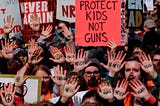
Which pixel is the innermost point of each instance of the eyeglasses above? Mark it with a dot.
(95, 73)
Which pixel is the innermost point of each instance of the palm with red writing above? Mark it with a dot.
(7, 49)
(8, 24)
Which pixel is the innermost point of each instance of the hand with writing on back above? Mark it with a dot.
(57, 55)
(79, 62)
(70, 54)
(7, 94)
(7, 49)
(8, 24)
(35, 22)
(46, 32)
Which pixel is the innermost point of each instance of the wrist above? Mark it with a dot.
(28, 65)
(111, 74)
(64, 99)
(146, 97)
(151, 99)
(153, 74)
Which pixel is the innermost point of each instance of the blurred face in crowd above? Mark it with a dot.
(156, 59)
(91, 76)
(45, 81)
(137, 50)
(23, 59)
(132, 70)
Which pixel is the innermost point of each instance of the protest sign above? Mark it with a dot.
(98, 21)
(134, 16)
(32, 87)
(148, 4)
(10, 8)
(45, 10)
(65, 10)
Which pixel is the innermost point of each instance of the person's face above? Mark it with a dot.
(45, 81)
(62, 28)
(91, 76)
(156, 59)
(132, 70)
(23, 59)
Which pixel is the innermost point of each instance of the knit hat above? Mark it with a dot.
(149, 23)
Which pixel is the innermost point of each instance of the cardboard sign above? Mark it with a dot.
(98, 21)
(10, 7)
(134, 13)
(65, 10)
(148, 4)
(32, 87)
(45, 9)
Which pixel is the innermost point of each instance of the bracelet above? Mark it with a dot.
(151, 99)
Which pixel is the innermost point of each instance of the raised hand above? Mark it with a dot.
(8, 22)
(111, 56)
(79, 62)
(7, 49)
(105, 90)
(120, 90)
(34, 52)
(59, 75)
(70, 88)
(57, 55)
(46, 33)
(7, 94)
(111, 44)
(35, 22)
(139, 89)
(20, 78)
(70, 54)
(147, 65)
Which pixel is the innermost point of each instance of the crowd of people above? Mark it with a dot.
(72, 75)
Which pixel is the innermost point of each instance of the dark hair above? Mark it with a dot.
(41, 67)
(81, 80)
(121, 74)
(94, 94)
(156, 51)
(46, 70)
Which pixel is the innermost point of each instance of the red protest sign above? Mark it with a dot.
(45, 10)
(98, 21)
